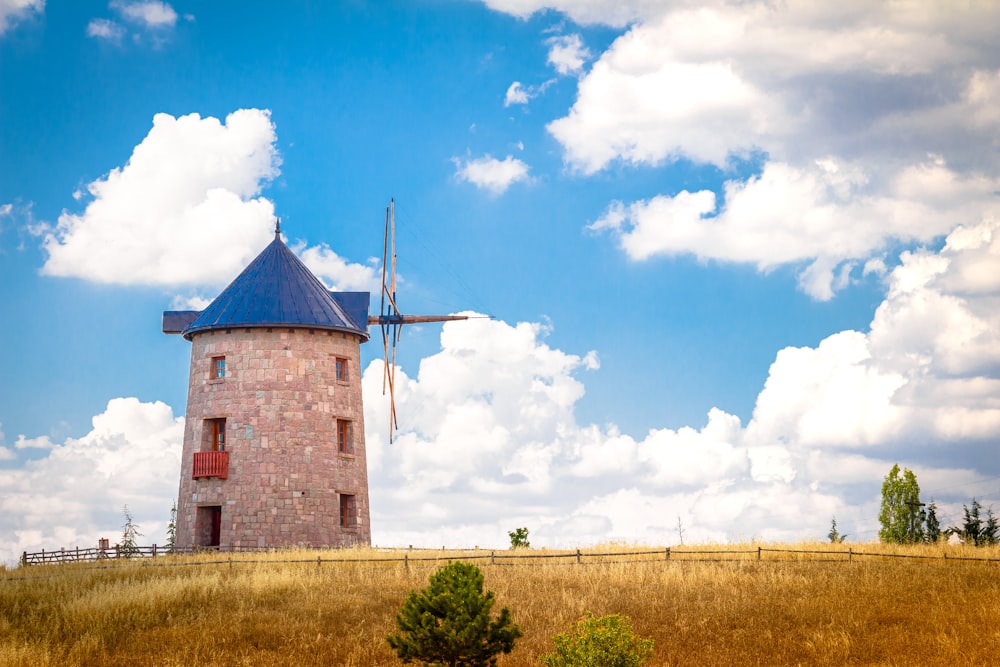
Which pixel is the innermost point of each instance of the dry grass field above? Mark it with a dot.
(701, 608)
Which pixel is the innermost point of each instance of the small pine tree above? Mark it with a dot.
(172, 527)
(449, 622)
(607, 641)
(130, 532)
(834, 535)
(519, 538)
(974, 530)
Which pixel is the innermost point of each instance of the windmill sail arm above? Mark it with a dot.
(413, 319)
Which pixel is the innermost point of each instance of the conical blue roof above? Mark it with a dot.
(276, 290)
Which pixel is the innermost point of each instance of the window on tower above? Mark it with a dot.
(345, 436)
(348, 511)
(218, 368)
(341, 369)
(215, 432)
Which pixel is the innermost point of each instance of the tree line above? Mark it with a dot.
(904, 519)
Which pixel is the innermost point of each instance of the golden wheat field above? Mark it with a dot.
(701, 607)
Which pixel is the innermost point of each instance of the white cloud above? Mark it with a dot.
(75, 493)
(492, 174)
(489, 438)
(516, 94)
(824, 214)
(41, 442)
(184, 210)
(338, 273)
(105, 29)
(567, 53)
(843, 103)
(12, 11)
(149, 13)
(146, 21)
(5, 453)
(611, 12)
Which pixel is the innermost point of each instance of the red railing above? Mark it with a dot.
(210, 464)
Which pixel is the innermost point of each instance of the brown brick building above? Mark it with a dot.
(274, 448)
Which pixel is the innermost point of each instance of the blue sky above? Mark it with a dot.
(741, 259)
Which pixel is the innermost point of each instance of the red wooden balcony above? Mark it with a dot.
(211, 464)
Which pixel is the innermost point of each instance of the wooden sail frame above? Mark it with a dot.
(390, 319)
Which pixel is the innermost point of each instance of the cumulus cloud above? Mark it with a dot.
(76, 492)
(567, 53)
(12, 11)
(492, 174)
(336, 272)
(824, 214)
(184, 210)
(841, 107)
(616, 13)
(489, 437)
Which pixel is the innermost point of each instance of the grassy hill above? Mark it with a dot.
(701, 607)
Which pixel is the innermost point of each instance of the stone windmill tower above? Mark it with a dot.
(274, 451)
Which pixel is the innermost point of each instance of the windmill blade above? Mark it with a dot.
(390, 320)
(389, 315)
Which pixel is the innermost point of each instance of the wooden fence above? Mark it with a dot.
(502, 557)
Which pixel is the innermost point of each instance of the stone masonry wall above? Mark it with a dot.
(281, 401)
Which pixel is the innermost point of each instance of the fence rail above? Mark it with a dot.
(497, 557)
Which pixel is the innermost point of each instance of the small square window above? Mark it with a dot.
(345, 436)
(348, 511)
(341, 369)
(218, 368)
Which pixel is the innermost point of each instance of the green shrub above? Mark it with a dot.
(448, 623)
(519, 538)
(607, 641)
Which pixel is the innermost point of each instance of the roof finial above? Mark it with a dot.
(277, 227)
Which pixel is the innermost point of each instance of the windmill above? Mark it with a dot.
(390, 319)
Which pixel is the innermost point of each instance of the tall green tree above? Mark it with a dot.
(900, 516)
(449, 622)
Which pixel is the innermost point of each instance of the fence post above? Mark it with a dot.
(850, 554)
(667, 554)
(319, 561)
(577, 556)
(493, 558)
(24, 559)
(758, 553)
(406, 560)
